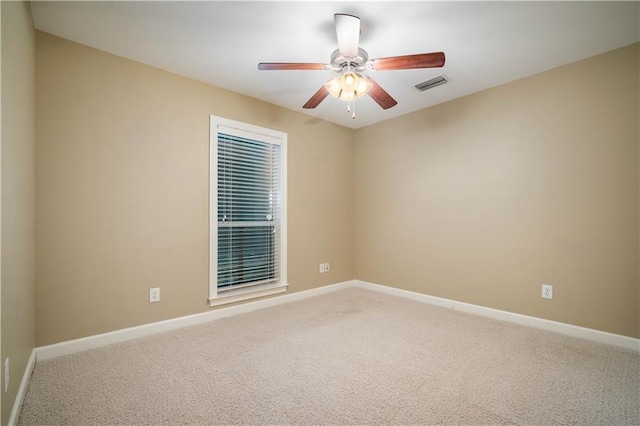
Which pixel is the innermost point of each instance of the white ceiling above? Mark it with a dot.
(220, 43)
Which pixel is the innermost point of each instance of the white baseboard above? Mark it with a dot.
(86, 343)
(22, 390)
(544, 324)
(117, 336)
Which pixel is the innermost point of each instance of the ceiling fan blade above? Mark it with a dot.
(381, 97)
(318, 97)
(290, 66)
(348, 32)
(421, 60)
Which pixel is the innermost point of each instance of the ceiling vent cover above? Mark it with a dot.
(429, 84)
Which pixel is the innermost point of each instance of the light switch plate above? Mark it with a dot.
(6, 374)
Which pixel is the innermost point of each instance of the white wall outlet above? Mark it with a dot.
(326, 267)
(6, 374)
(322, 268)
(547, 291)
(154, 295)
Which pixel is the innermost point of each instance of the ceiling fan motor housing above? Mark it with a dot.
(357, 64)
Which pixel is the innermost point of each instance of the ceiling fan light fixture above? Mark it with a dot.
(348, 86)
(351, 64)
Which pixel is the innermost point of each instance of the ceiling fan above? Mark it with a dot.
(351, 64)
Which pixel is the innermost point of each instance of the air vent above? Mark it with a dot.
(429, 84)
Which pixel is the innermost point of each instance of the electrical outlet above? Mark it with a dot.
(322, 268)
(326, 267)
(154, 295)
(547, 291)
(6, 374)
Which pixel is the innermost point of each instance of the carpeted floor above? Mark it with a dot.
(349, 357)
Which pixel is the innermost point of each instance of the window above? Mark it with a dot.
(247, 212)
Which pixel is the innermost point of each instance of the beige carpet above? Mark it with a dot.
(350, 357)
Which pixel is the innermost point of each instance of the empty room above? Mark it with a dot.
(296, 212)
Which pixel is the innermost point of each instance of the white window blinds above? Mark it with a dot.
(249, 220)
(248, 211)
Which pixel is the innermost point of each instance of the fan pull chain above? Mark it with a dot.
(351, 107)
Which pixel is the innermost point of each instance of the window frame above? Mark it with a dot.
(264, 135)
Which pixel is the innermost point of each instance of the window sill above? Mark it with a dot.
(241, 294)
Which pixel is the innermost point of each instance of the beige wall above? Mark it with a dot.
(485, 198)
(0, 205)
(122, 191)
(481, 199)
(18, 85)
